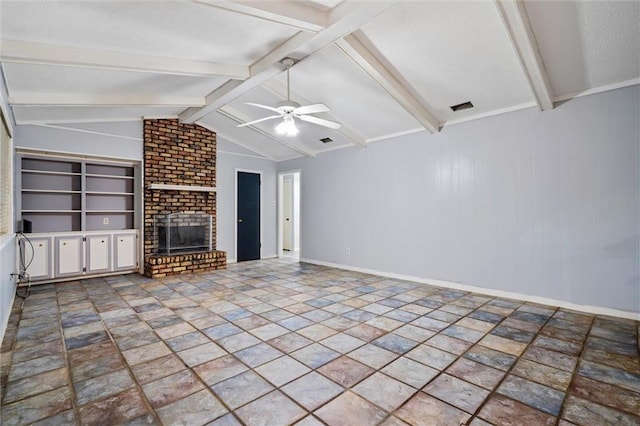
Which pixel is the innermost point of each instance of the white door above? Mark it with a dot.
(287, 215)
(69, 256)
(98, 253)
(40, 266)
(126, 253)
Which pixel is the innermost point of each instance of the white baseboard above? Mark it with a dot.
(598, 310)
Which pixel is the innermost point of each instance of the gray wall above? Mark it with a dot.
(124, 141)
(231, 157)
(537, 203)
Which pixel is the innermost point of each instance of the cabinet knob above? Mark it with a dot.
(40, 245)
(102, 241)
(64, 244)
(122, 241)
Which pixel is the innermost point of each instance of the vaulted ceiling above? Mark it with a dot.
(384, 68)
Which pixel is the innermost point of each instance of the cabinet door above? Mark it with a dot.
(69, 255)
(39, 267)
(98, 253)
(126, 252)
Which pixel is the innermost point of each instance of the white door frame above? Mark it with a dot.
(281, 212)
(235, 209)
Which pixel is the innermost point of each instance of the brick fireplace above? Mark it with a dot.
(179, 174)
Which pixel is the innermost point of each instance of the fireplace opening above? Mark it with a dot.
(179, 233)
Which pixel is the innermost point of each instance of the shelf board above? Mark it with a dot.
(109, 211)
(50, 211)
(46, 172)
(51, 191)
(162, 186)
(108, 193)
(107, 176)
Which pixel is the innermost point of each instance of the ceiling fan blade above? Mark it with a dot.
(262, 106)
(320, 121)
(257, 121)
(311, 109)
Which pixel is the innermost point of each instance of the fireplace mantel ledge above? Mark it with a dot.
(162, 186)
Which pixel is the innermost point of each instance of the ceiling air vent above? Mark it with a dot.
(326, 140)
(460, 107)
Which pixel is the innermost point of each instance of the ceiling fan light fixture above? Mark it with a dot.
(287, 128)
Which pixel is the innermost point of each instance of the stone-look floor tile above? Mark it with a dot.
(359, 315)
(431, 357)
(146, 353)
(543, 374)
(64, 418)
(500, 410)
(102, 386)
(187, 341)
(583, 412)
(171, 388)
(317, 332)
(569, 348)
(199, 408)
(269, 331)
(220, 369)
(384, 391)
(384, 323)
(503, 345)
(410, 372)
(312, 390)
(37, 407)
(456, 392)
(240, 389)
(604, 394)
(476, 373)
(290, 342)
(261, 411)
(175, 330)
(613, 376)
(339, 323)
(222, 330)
(463, 333)
(96, 367)
(350, 409)
(395, 343)
(551, 358)
(342, 343)
(91, 351)
(32, 385)
(422, 409)
(258, 354)
(345, 371)
(36, 366)
(373, 356)
(136, 340)
(309, 421)
(629, 349)
(315, 355)
(86, 339)
(521, 325)
(537, 396)
(117, 409)
(449, 344)
(475, 324)
(492, 358)
(158, 368)
(226, 420)
(511, 333)
(563, 334)
(282, 370)
(417, 334)
(37, 351)
(621, 362)
(201, 354)
(365, 332)
(79, 330)
(295, 323)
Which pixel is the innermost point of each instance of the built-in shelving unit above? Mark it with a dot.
(59, 195)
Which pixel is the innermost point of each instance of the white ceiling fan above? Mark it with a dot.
(288, 110)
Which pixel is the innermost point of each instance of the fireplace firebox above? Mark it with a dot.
(181, 233)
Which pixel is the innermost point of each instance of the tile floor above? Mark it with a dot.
(278, 342)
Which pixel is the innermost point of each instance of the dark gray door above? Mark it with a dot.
(248, 220)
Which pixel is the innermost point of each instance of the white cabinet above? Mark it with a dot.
(126, 251)
(36, 254)
(69, 251)
(79, 254)
(98, 253)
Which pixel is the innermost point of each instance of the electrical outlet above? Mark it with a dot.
(105, 221)
(348, 251)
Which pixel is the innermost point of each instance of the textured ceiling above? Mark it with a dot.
(384, 69)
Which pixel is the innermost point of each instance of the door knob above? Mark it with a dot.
(239, 220)
(287, 219)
